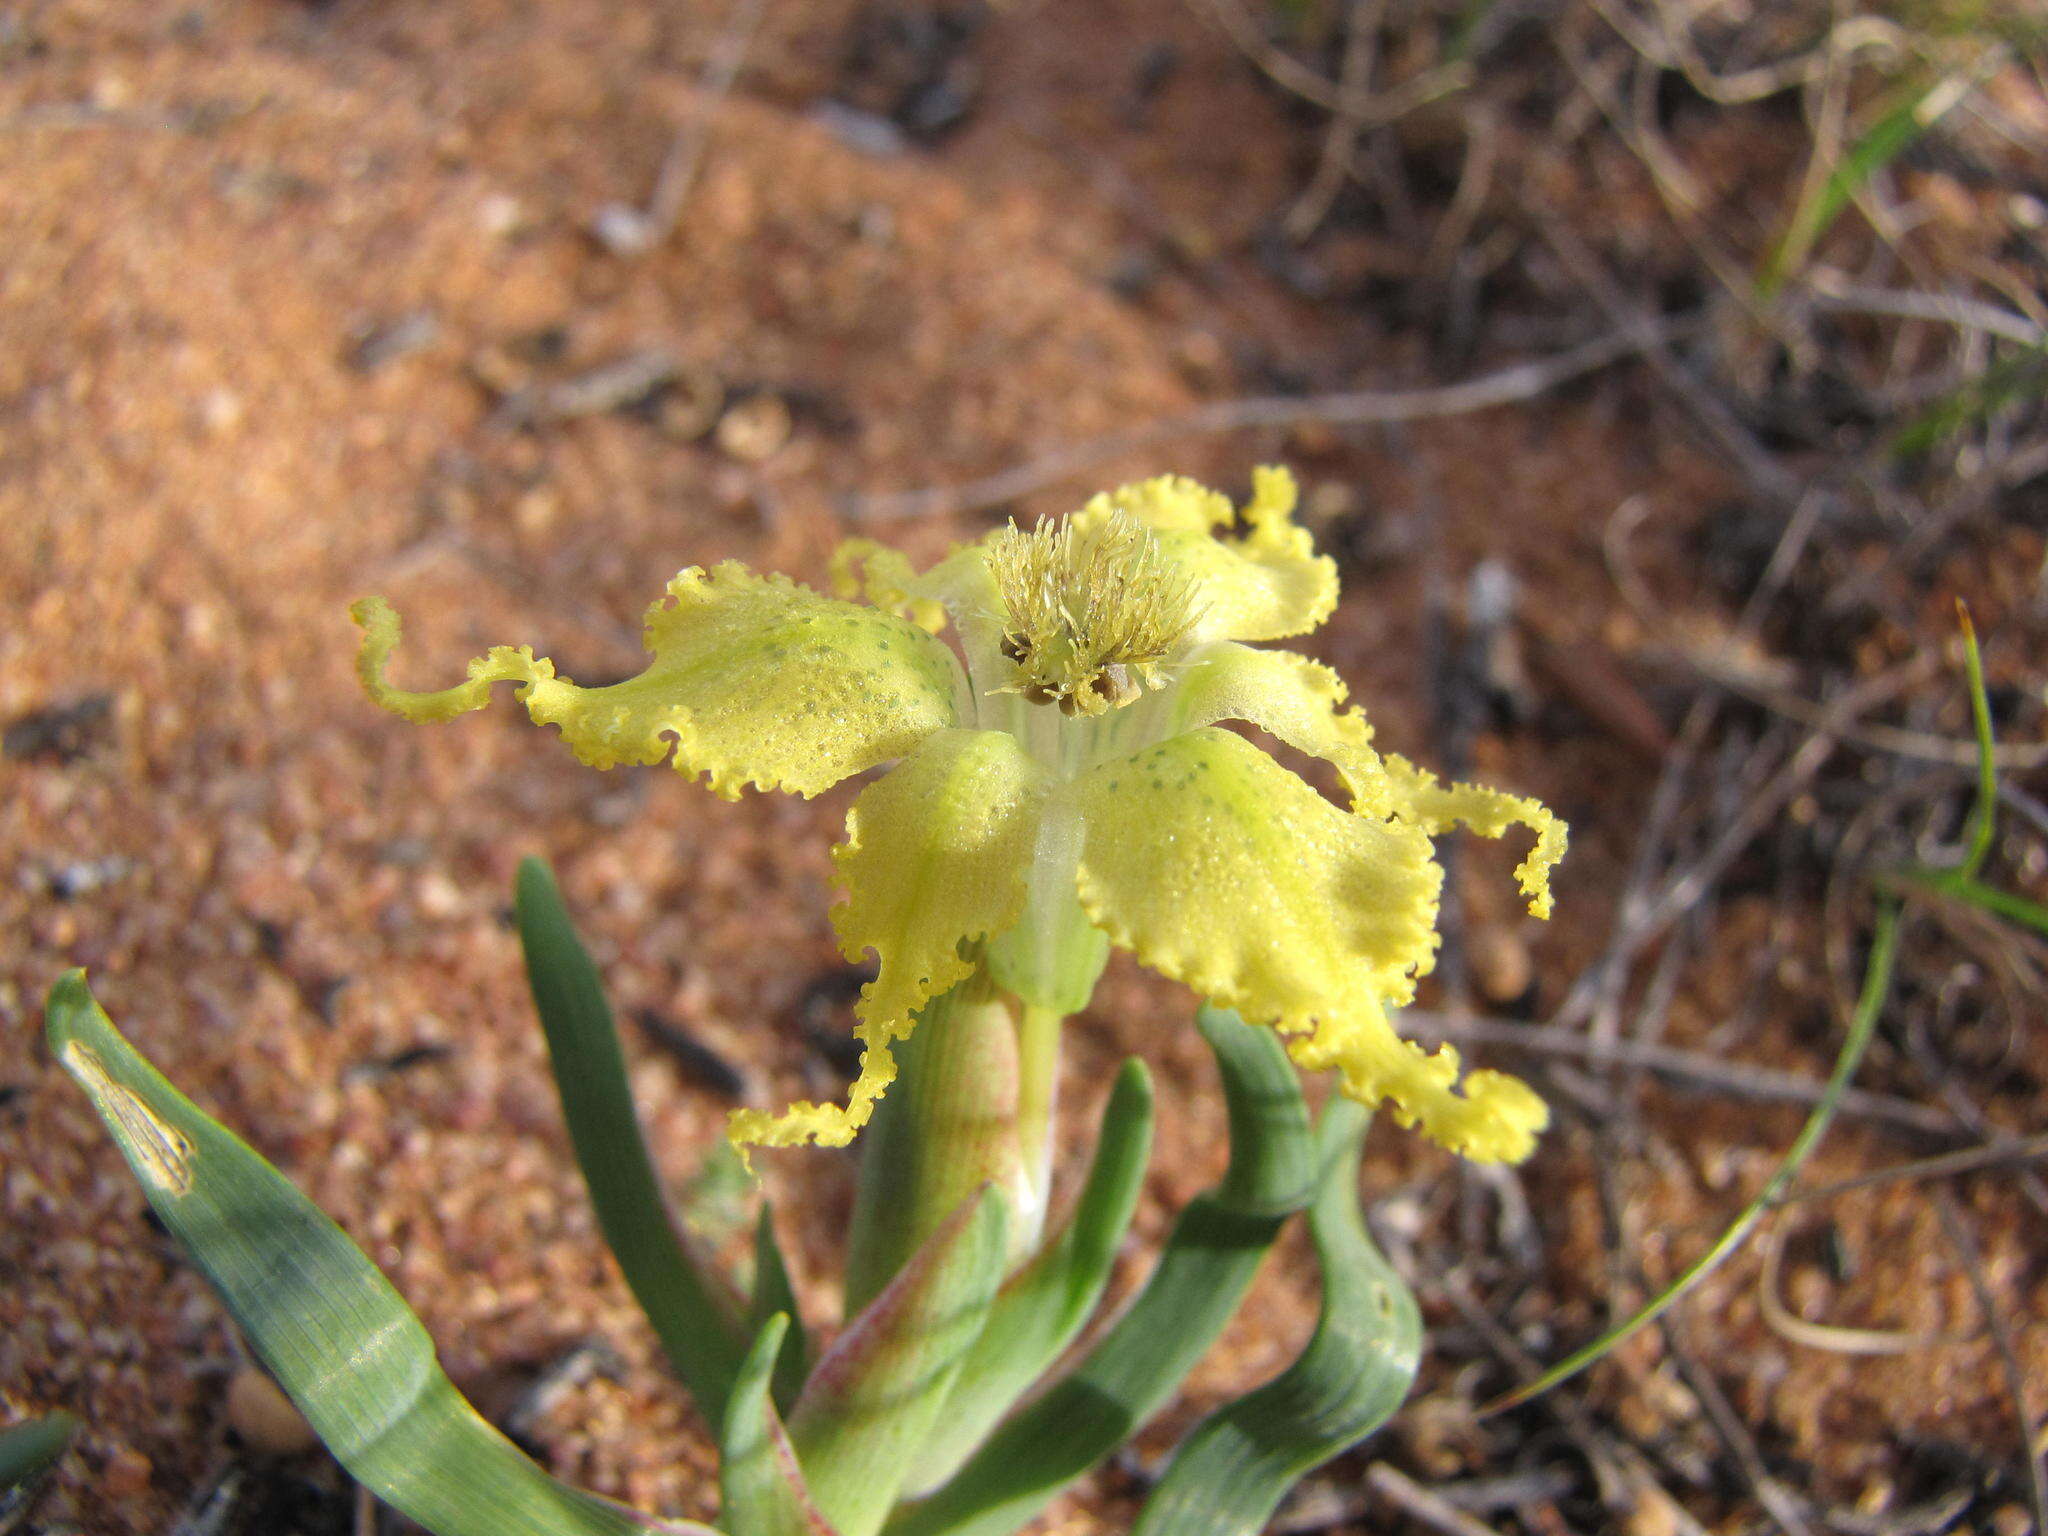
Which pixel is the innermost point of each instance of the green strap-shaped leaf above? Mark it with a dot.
(1043, 1306)
(694, 1311)
(773, 1294)
(321, 1317)
(1237, 1464)
(763, 1488)
(26, 1451)
(871, 1402)
(1210, 1259)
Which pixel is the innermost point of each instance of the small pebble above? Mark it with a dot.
(59, 733)
(1652, 1511)
(755, 429)
(1500, 963)
(126, 1475)
(692, 407)
(500, 216)
(219, 411)
(267, 1420)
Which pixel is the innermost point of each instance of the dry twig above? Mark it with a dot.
(1364, 19)
(1419, 1504)
(1714, 666)
(1505, 386)
(1711, 1074)
(2008, 1355)
(627, 231)
(1994, 1154)
(1290, 74)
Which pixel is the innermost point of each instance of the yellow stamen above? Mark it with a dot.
(1091, 611)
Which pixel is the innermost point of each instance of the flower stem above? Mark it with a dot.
(1038, 1061)
(971, 1106)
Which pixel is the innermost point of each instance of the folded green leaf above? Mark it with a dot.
(694, 1311)
(1210, 1259)
(1232, 1471)
(26, 1451)
(763, 1488)
(1044, 1305)
(774, 1294)
(321, 1317)
(870, 1404)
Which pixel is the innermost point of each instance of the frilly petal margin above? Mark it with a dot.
(1302, 702)
(756, 680)
(1419, 796)
(936, 856)
(1298, 700)
(1216, 866)
(1265, 585)
(501, 664)
(1491, 1117)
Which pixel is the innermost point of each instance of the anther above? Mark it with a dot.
(1094, 612)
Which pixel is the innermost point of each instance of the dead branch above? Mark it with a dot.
(1506, 386)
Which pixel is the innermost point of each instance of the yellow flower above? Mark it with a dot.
(1065, 775)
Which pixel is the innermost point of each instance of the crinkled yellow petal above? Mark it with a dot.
(1302, 702)
(755, 681)
(1218, 867)
(1419, 796)
(936, 856)
(1298, 700)
(1214, 864)
(1491, 1117)
(1264, 584)
(883, 576)
(501, 664)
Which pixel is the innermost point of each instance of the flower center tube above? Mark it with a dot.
(1073, 652)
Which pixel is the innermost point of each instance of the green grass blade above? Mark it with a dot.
(871, 1403)
(1471, 19)
(692, 1309)
(1038, 1313)
(27, 1449)
(1960, 883)
(1913, 111)
(1984, 813)
(1210, 1258)
(1877, 982)
(1233, 1470)
(2023, 376)
(773, 1295)
(2005, 904)
(762, 1486)
(321, 1317)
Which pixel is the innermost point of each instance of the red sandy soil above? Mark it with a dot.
(278, 888)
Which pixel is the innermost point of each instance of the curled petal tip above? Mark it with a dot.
(1420, 797)
(381, 632)
(754, 681)
(824, 1125)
